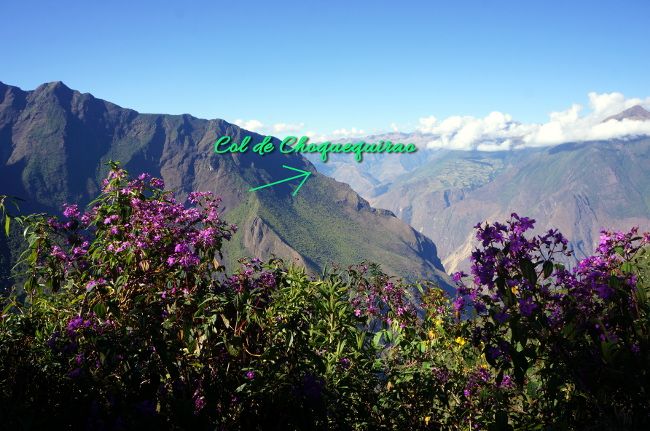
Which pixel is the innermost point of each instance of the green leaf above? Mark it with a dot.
(377, 338)
(548, 268)
(100, 310)
(528, 270)
(7, 224)
(609, 351)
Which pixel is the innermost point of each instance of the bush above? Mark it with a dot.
(576, 341)
(130, 321)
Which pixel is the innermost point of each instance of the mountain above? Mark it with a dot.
(54, 143)
(376, 170)
(578, 188)
(637, 113)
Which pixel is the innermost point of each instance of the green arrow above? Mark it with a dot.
(303, 174)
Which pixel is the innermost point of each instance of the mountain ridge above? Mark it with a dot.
(635, 113)
(578, 187)
(54, 142)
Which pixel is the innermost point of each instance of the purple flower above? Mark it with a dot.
(250, 375)
(206, 236)
(71, 211)
(110, 219)
(507, 382)
(181, 248)
(78, 251)
(527, 306)
(75, 323)
(490, 234)
(267, 279)
(188, 260)
(501, 316)
(522, 224)
(157, 183)
(604, 291)
(441, 374)
(195, 197)
(494, 352)
(58, 253)
(458, 276)
(92, 283)
(199, 404)
(459, 304)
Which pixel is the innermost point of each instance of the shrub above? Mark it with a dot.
(575, 341)
(128, 320)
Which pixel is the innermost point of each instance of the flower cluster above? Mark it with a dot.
(252, 275)
(535, 315)
(135, 221)
(379, 297)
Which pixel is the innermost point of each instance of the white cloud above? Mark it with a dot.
(252, 125)
(315, 137)
(570, 126)
(277, 129)
(345, 133)
(426, 123)
(495, 131)
(287, 128)
(498, 131)
(503, 146)
(606, 104)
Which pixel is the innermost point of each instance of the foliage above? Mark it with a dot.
(576, 341)
(130, 321)
(5, 214)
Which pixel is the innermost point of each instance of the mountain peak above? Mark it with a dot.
(54, 143)
(53, 86)
(637, 112)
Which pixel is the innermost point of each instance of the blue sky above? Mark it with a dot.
(333, 64)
